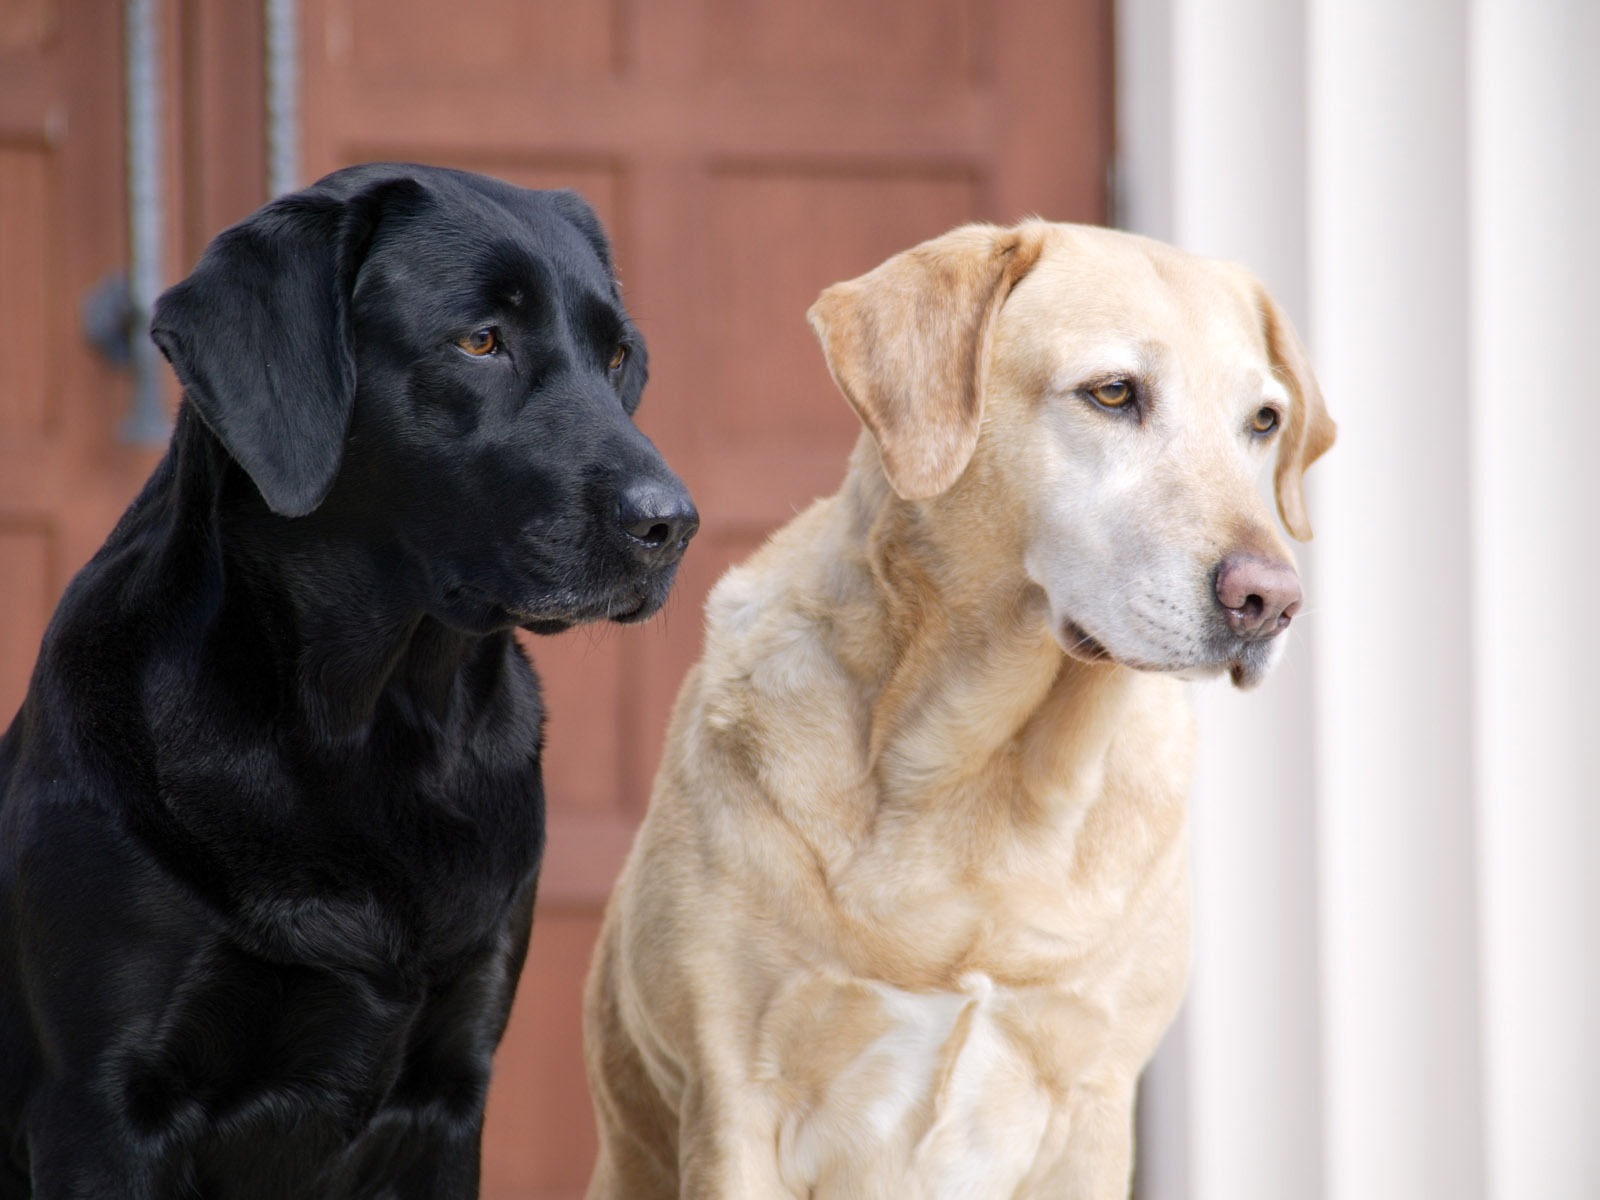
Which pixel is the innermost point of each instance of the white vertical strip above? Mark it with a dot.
(1535, 427)
(146, 424)
(1144, 104)
(282, 26)
(1231, 1107)
(1239, 137)
(1239, 192)
(1389, 287)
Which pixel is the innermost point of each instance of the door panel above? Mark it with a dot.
(25, 383)
(927, 42)
(28, 542)
(29, 551)
(427, 42)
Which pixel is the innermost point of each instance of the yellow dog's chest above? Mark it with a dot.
(882, 1092)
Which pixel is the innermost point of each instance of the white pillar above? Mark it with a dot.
(1535, 430)
(1232, 1106)
(1389, 302)
(1239, 192)
(1435, 228)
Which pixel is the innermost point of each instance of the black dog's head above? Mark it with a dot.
(441, 363)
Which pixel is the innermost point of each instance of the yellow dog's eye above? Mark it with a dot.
(1265, 420)
(618, 358)
(1112, 394)
(480, 342)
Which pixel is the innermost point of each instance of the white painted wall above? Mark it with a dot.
(1397, 980)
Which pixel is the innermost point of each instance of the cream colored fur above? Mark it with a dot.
(909, 912)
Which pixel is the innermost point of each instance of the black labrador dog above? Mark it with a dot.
(271, 814)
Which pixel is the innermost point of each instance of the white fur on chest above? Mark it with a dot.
(937, 1101)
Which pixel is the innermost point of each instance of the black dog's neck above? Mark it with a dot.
(330, 602)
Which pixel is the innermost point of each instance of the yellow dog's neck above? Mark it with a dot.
(966, 679)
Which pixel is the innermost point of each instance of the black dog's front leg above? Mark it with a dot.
(77, 1155)
(448, 1170)
(14, 1183)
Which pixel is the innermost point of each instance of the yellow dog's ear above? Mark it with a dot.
(1310, 430)
(908, 345)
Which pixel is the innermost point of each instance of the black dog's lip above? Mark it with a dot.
(637, 611)
(483, 610)
(545, 626)
(627, 606)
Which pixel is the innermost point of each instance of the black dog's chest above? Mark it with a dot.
(314, 1077)
(398, 848)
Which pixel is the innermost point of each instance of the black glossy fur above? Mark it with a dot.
(271, 815)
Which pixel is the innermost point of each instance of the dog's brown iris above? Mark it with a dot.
(481, 342)
(618, 358)
(1265, 420)
(1113, 393)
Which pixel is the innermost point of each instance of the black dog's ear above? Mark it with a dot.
(259, 336)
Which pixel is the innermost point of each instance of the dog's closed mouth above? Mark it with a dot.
(634, 610)
(1076, 641)
(545, 626)
(625, 609)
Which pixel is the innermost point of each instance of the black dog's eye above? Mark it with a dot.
(480, 342)
(619, 357)
(1265, 420)
(1113, 394)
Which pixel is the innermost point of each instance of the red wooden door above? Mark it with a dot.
(743, 154)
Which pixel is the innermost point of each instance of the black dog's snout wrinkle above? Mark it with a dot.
(659, 518)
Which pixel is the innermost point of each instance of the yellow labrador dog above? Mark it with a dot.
(910, 908)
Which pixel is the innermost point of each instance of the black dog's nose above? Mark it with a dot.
(659, 519)
(1259, 597)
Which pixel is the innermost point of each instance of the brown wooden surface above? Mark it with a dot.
(63, 477)
(743, 153)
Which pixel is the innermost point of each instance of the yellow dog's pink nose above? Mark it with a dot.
(1258, 596)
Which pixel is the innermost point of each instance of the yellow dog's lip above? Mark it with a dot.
(1078, 643)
